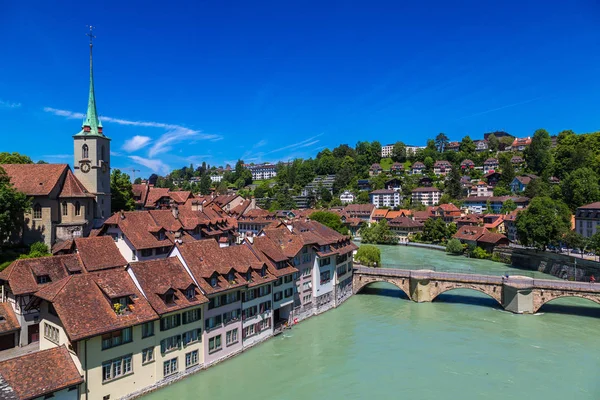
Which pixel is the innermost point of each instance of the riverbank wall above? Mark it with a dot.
(559, 265)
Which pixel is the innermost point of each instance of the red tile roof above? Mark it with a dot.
(8, 319)
(22, 274)
(493, 238)
(154, 195)
(289, 243)
(99, 252)
(40, 373)
(141, 191)
(84, 306)
(595, 205)
(181, 196)
(157, 277)
(35, 179)
(73, 188)
(405, 222)
(138, 227)
(359, 209)
(471, 233)
(273, 256)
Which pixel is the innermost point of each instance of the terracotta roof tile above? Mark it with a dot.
(154, 195)
(35, 179)
(22, 275)
(99, 252)
(40, 373)
(84, 303)
(472, 233)
(404, 222)
(157, 277)
(73, 188)
(138, 228)
(8, 319)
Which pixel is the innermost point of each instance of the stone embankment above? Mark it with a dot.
(560, 265)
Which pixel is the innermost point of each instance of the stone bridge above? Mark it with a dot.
(517, 294)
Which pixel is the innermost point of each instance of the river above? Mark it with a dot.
(379, 345)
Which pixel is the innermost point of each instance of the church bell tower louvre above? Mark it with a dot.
(92, 154)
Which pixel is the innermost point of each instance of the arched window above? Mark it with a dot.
(65, 209)
(84, 151)
(77, 208)
(37, 211)
(102, 153)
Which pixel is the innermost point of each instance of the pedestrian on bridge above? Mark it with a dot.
(592, 279)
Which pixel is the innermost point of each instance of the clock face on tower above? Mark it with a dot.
(85, 167)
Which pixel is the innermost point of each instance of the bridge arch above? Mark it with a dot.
(440, 287)
(549, 297)
(360, 282)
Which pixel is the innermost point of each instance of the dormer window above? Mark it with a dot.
(214, 281)
(231, 277)
(121, 304)
(249, 276)
(41, 279)
(170, 297)
(190, 293)
(263, 272)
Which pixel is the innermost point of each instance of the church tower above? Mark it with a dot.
(92, 155)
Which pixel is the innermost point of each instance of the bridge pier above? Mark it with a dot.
(518, 300)
(420, 290)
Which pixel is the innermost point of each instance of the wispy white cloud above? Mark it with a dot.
(154, 165)
(304, 143)
(500, 108)
(260, 144)
(135, 143)
(175, 133)
(115, 154)
(64, 113)
(9, 104)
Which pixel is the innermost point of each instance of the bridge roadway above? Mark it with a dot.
(515, 293)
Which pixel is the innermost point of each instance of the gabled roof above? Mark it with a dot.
(492, 238)
(418, 164)
(84, 306)
(35, 179)
(99, 252)
(138, 227)
(159, 276)
(467, 162)
(491, 160)
(38, 374)
(405, 222)
(472, 233)
(22, 274)
(8, 321)
(365, 209)
(272, 255)
(154, 195)
(289, 243)
(73, 188)
(591, 206)
(140, 190)
(380, 213)
(181, 196)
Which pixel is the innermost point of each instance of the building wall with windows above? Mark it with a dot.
(587, 219)
(343, 278)
(257, 314)
(323, 283)
(386, 151)
(129, 252)
(216, 327)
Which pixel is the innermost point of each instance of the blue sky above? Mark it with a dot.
(185, 82)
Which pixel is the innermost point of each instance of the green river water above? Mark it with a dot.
(379, 345)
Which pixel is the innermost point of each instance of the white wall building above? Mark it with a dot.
(428, 196)
(347, 197)
(386, 151)
(385, 198)
(263, 171)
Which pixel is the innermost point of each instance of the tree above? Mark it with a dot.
(545, 221)
(221, 187)
(478, 252)
(467, 146)
(493, 143)
(137, 181)
(152, 179)
(399, 152)
(325, 194)
(454, 246)
(368, 255)
(508, 206)
(441, 141)
(435, 230)
(580, 187)
(330, 219)
(14, 158)
(363, 198)
(536, 188)
(508, 171)
(538, 155)
(574, 240)
(13, 205)
(453, 186)
(36, 250)
(121, 191)
(205, 184)
(378, 233)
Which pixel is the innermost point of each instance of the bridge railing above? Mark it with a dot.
(463, 270)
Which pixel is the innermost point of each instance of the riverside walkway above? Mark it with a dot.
(518, 294)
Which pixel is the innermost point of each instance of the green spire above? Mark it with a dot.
(91, 124)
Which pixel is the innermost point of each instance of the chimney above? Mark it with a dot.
(122, 214)
(250, 237)
(175, 210)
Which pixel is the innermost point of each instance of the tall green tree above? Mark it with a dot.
(467, 146)
(441, 141)
(453, 186)
(121, 192)
(379, 233)
(493, 143)
(508, 171)
(205, 184)
(368, 255)
(545, 221)
(13, 205)
(538, 155)
(330, 219)
(14, 158)
(580, 187)
(399, 152)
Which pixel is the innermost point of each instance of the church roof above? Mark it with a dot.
(91, 124)
(73, 188)
(34, 179)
